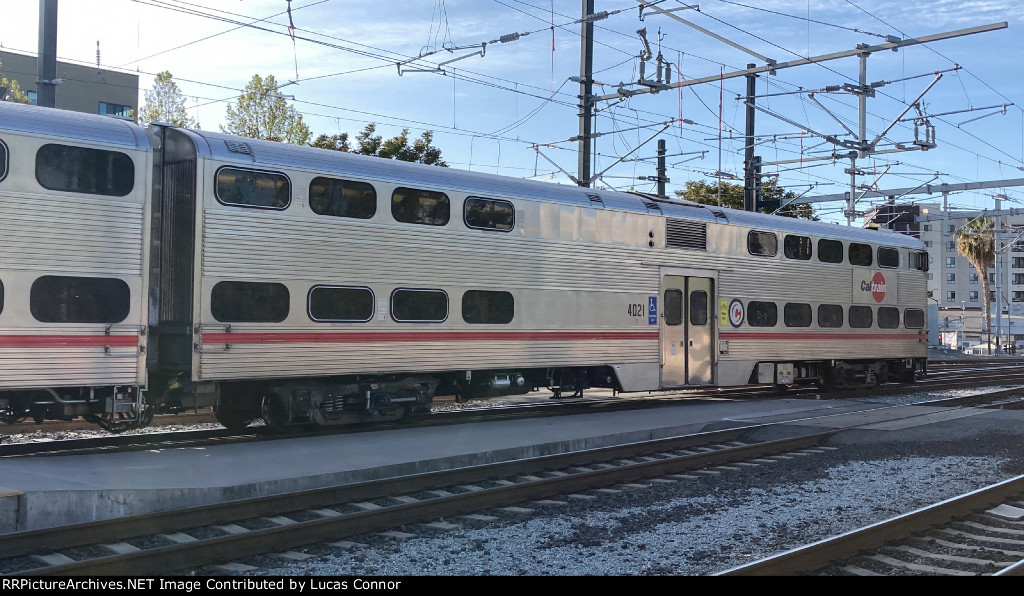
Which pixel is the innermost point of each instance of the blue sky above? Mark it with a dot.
(492, 106)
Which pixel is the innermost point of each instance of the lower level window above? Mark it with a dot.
(483, 307)
(762, 314)
(249, 302)
(332, 303)
(861, 317)
(419, 306)
(888, 317)
(65, 299)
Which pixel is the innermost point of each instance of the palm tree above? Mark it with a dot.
(976, 240)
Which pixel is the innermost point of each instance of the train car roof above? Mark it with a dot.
(106, 130)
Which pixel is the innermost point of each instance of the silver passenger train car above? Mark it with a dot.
(161, 268)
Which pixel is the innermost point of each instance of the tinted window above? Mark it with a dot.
(919, 260)
(860, 317)
(673, 307)
(1, 297)
(330, 303)
(762, 243)
(3, 160)
(251, 188)
(420, 206)
(58, 299)
(797, 315)
(860, 254)
(888, 317)
(425, 306)
(888, 257)
(830, 251)
(830, 315)
(487, 308)
(797, 247)
(249, 302)
(913, 318)
(699, 308)
(489, 214)
(342, 198)
(79, 169)
(762, 314)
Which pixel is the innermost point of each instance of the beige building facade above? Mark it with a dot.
(81, 89)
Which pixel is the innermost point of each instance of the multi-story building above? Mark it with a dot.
(954, 285)
(81, 88)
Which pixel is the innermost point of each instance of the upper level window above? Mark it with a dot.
(762, 314)
(65, 299)
(115, 109)
(249, 302)
(419, 306)
(762, 243)
(80, 169)
(334, 303)
(860, 254)
(342, 198)
(797, 247)
(830, 251)
(489, 214)
(487, 308)
(888, 257)
(427, 207)
(1, 296)
(3, 160)
(253, 188)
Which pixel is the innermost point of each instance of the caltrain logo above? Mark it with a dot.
(876, 286)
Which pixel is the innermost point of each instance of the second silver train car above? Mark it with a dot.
(164, 267)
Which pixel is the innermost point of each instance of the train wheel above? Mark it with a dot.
(274, 413)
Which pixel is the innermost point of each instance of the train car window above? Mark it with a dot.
(860, 254)
(66, 299)
(861, 317)
(489, 214)
(253, 188)
(919, 260)
(830, 251)
(699, 307)
(673, 307)
(426, 207)
(480, 307)
(797, 247)
(795, 314)
(888, 257)
(249, 302)
(419, 306)
(337, 303)
(762, 314)
(1, 297)
(762, 243)
(3, 160)
(913, 318)
(888, 317)
(342, 198)
(830, 316)
(80, 169)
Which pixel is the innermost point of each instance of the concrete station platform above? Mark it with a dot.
(41, 492)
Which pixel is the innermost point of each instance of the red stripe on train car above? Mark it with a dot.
(414, 336)
(68, 341)
(822, 336)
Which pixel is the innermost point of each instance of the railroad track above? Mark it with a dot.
(198, 537)
(980, 533)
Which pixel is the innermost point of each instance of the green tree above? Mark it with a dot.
(706, 193)
(10, 90)
(976, 240)
(421, 150)
(263, 113)
(165, 103)
(335, 142)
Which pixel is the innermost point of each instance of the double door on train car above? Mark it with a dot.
(686, 330)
